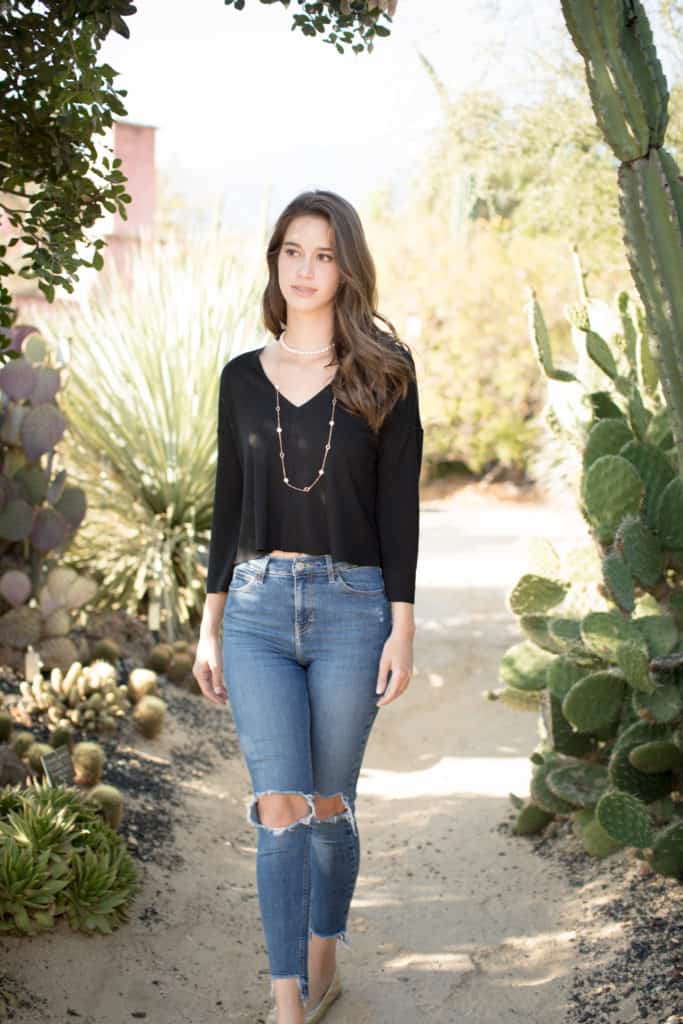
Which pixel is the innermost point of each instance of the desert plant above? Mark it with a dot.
(149, 714)
(58, 857)
(141, 394)
(109, 801)
(174, 660)
(603, 656)
(88, 697)
(39, 514)
(88, 760)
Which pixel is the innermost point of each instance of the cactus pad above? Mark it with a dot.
(564, 739)
(660, 633)
(533, 595)
(579, 784)
(612, 489)
(654, 469)
(606, 437)
(531, 820)
(595, 701)
(667, 850)
(602, 632)
(622, 774)
(635, 664)
(561, 675)
(596, 841)
(658, 756)
(524, 666)
(670, 514)
(540, 792)
(618, 580)
(641, 550)
(625, 818)
(662, 705)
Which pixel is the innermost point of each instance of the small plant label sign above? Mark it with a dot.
(58, 767)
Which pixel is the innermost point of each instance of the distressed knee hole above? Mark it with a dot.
(328, 806)
(280, 811)
(333, 808)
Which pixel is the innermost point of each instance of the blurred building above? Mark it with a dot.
(134, 144)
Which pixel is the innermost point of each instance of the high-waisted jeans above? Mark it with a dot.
(302, 640)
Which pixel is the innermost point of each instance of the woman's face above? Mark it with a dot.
(307, 259)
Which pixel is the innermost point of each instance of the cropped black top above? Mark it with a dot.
(363, 509)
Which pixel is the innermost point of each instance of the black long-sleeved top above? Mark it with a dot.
(365, 507)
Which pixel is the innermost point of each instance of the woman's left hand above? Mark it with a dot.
(397, 656)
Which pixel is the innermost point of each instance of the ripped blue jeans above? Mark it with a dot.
(302, 639)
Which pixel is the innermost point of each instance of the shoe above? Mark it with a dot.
(323, 1006)
(325, 1003)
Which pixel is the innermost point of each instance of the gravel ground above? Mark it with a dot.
(629, 951)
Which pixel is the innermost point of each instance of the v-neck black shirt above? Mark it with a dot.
(363, 509)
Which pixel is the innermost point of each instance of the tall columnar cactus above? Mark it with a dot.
(630, 99)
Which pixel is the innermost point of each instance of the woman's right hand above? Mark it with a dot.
(208, 670)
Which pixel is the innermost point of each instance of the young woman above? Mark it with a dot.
(311, 575)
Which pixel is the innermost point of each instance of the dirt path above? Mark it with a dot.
(452, 921)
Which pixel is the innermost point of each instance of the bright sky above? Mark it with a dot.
(245, 106)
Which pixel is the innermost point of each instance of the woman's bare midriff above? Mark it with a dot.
(288, 554)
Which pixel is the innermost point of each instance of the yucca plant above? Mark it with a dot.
(141, 397)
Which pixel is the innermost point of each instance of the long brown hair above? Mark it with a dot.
(375, 366)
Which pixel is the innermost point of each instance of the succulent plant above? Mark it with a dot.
(617, 682)
(88, 697)
(60, 858)
(39, 513)
(88, 761)
(141, 682)
(21, 740)
(174, 661)
(149, 714)
(109, 800)
(34, 754)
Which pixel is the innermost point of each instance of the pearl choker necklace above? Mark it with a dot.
(301, 351)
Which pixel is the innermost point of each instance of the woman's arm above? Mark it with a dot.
(398, 521)
(227, 505)
(399, 460)
(225, 528)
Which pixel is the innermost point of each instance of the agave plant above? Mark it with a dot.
(141, 393)
(58, 858)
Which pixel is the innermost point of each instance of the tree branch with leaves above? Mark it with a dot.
(54, 100)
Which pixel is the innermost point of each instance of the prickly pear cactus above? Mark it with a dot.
(620, 683)
(39, 515)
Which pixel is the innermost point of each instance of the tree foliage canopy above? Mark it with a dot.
(54, 99)
(338, 21)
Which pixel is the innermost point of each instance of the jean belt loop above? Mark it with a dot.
(330, 568)
(261, 569)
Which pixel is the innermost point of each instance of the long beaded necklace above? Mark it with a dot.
(328, 444)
